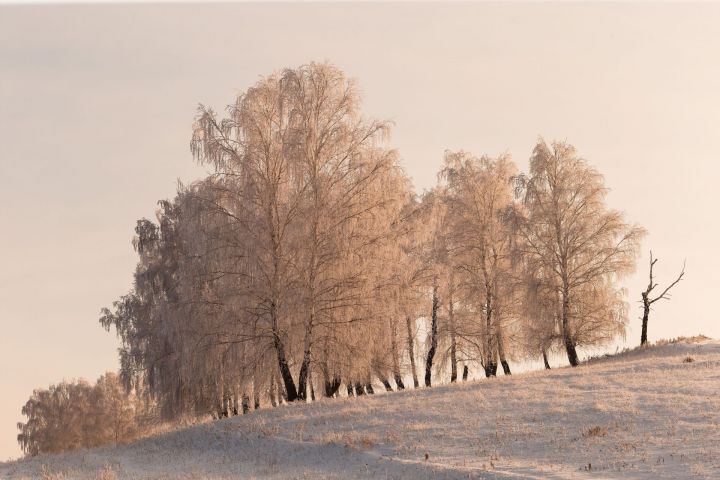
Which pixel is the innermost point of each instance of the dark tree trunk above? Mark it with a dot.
(506, 367)
(290, 390)
(386, 384)
(359, 389)
(350, 392)
(332, 387)
(304, 368)
(399, 381)
(646, 316)
(245, 403)
(369, 389)
(571, 352)
(433, 338)
(256, 390)
(466, 372)
(545, 360)
(567, 336)
(411, 351)
(501, 351)
(490, 369)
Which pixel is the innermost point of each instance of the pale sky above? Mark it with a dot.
(96, 107)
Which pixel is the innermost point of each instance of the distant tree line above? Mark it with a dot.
(306, 265)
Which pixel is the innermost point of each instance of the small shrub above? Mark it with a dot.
(596, 431)
(688, 359)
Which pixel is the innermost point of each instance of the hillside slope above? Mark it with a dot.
(643, 414)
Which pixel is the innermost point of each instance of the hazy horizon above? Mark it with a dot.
(97, 104)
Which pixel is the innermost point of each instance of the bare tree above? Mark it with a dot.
(647, 301)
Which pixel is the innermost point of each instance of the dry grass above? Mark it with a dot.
(596, 431)
(107, 473)
(693, 339)
(350, 439)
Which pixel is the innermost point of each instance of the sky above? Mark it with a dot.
(97, 104)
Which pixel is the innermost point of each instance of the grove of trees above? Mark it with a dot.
(77, 414)
(306, 265)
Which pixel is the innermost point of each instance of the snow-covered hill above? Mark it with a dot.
(649, 413)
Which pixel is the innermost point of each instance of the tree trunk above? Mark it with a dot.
(305, 366)
(273, 400)
(411, 350)
(545, 360)
(453, 343)
(359, 389)
(490, 361)
(386, 384)
(395, 356)
(224, 410)
(350, 392)
(369, 389)
(465, 373)
(245, 403)
(399, 381)
(646, 316)
(332, 387)
(567, 337)
(256, 390)
(501, 352)
(290, 390)
(433, 338)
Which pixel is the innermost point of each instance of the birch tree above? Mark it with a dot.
(479, 193)
(307, 166)
(570, 233)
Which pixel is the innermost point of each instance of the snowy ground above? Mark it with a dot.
(645, 414)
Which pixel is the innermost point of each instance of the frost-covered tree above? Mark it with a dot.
(76, 414)
(305, 261)
(481, 246)
(307, 172)
(569, 234)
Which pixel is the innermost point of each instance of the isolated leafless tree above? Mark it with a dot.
(648, 301)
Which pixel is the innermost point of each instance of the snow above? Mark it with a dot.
(642, 414)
